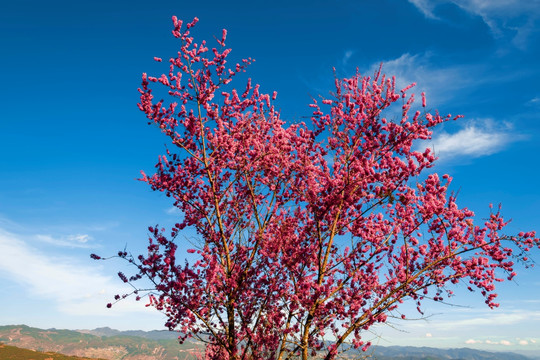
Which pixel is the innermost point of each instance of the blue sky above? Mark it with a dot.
(72, 141)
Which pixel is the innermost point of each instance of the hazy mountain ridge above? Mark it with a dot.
(427, 353)
(77, 343)
(153, 335)
(113, 344)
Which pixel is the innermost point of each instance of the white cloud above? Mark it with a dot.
(75, 288)
(534, 101)
(173, 210)
(473, 341)
(443, 84)
(502, 342)
(482, 319)
(474, 140)
(487, 9)
(346, 57)
(523, 342)
(422, 70)
(512, 18)
(499, 8)
(429, 335)
(74, 241)
(426, 7)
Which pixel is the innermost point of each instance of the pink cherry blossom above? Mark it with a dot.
(307, 232)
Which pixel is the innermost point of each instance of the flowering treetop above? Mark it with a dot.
(308, 232)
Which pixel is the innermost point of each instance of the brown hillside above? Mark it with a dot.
(14, 353)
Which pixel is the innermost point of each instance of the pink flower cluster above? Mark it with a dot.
(308, 232)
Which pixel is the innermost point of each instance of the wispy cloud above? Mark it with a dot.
(476, 139)
(173, 210)
(445, 82)
(481, 319)
(346, 57)
(426, 7)
(73, 241)
(423, 70)
(75, 288)
(535, 101)
(6, 223)
(515, 19)
(495, 319)
(493, 342)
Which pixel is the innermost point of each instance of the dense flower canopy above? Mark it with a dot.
(308, 232)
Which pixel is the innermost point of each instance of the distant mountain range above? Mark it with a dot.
(84, 344)
(107, 343)
(426, 353)
(152, 335)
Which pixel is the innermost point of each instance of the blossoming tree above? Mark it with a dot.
(309, 233)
